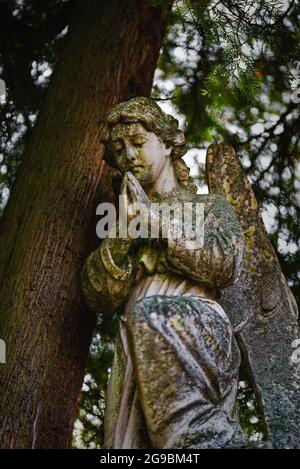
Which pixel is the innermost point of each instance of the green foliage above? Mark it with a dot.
(30, 38)
(251, 418)
(90, 416)
(229, 69)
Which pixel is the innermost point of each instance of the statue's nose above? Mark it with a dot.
(130, 153)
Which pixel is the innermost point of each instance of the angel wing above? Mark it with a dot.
(262, 302)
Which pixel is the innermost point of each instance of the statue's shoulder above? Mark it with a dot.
(217, 209)
(211, 201)
(215, 201)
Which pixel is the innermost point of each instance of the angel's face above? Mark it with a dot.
(139, 151)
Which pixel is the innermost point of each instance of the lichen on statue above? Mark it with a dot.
(175, 373)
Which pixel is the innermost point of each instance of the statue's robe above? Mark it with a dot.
(174, 378)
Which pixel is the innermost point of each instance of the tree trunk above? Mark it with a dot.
(45, 233)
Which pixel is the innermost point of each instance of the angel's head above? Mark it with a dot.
(140, 136)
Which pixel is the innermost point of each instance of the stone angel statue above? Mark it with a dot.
(174, 378)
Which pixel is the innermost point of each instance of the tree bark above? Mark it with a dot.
(110, 56)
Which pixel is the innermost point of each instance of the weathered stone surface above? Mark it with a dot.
(186, 362)
(175, 375)
(263, 303)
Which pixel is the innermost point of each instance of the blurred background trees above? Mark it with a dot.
(229, 70)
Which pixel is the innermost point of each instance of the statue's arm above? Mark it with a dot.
(217, 262)
(107, 275)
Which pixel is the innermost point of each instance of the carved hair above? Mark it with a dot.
(146, 112)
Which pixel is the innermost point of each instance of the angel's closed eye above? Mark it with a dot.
(117, 144)
(138, 140)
